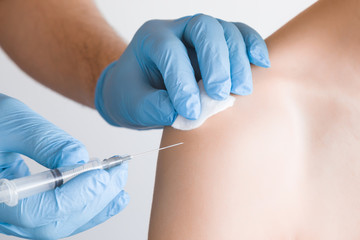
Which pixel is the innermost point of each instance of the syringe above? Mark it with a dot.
(11, 191)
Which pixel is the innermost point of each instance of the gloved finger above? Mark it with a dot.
(113, 208)
(35, 137)
(241, 78)
(255, 45)
(206, 35)
(47, 207)
(174, 64)
(12, 166)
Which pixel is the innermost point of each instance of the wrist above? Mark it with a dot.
(109, 49)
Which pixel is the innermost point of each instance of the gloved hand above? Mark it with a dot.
(155, 78)
(80, 204)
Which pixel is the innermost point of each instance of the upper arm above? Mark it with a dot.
(224, 175)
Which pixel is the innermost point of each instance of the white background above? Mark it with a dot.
(101, 139)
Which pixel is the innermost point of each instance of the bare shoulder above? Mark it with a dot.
(213, 184)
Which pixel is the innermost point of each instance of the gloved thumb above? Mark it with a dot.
(26, 132)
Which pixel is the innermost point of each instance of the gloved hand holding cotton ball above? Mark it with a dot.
(155, 79)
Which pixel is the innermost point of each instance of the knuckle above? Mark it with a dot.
(201, 18)
(202, 22)
(230, 29)
(148, 25)
(202, 28)
(147, 32)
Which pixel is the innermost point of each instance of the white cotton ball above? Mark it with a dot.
(209, 107)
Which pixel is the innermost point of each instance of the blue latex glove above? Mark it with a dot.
(155, 78)
(80, 204)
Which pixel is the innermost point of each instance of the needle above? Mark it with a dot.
(157, 149)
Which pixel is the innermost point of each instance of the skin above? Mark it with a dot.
(282, 163)
(69, 67)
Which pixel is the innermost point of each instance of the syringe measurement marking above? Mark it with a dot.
(69, 174)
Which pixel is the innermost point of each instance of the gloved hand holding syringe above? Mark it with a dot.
(11, 191)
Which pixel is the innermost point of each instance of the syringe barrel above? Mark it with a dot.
(11, 191)
(68, 173)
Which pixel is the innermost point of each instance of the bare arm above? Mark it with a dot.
(217, 185)
(253, 171)
(62, 44)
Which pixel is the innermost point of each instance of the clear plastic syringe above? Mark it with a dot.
(11, 191)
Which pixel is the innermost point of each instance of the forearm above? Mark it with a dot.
(62, 44)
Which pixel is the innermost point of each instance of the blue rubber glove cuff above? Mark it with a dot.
(99, 100)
